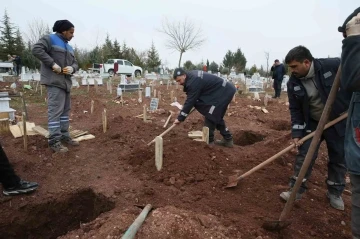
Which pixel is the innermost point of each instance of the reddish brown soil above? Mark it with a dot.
(95, 190)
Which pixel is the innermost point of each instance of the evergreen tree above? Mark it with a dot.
(207, 64)
(19, 43)
(253, 69)
(239, 60)
(28, 59)
(116, 49)
(153, 59)
(228, 60)
(7, 38)
(125, 53)
(188, 66)
(107, 48)
(140, 59)
(214, 68)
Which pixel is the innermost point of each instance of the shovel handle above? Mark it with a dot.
(302, 140)
(163, 133)
(168, 129)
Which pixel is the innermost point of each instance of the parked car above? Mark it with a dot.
(123, 67)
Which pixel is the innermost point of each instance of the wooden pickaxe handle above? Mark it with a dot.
(163, 133)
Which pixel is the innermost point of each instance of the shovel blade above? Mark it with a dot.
(232, 181)
(275, 225)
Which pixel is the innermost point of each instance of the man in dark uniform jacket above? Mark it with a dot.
(308, 89)
(210, 95)
(350, 80)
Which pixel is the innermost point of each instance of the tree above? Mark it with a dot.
(19, 43)
(28, 59)
(153, 59)
(253, 70)
(36, 29)
(228, 60)
(188, 66)
(207, 64)
(182, 36)
(141, 58)
(95, 55)
(214, 67)
(125, 53)
(262, 71)
(224, 70)
(239, 60)
(267, 56)
(7, 38)
(199, 66)
(116, 49)
(107, 48)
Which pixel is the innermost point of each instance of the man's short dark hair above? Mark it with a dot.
(299, 53)
(276, 60)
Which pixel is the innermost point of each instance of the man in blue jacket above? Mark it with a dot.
(278, 71)
(308, 89)
(210, 95)
(350, 80)
(57, 64)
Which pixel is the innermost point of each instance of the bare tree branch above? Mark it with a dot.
(37, 29)
(182, 36)
(267, 55)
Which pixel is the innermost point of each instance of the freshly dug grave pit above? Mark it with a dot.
(56, 217)
(244, 138)
(280, 125)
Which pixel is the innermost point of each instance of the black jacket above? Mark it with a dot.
(325, 71)
(350, 79)
(209, 94)
(278, 72)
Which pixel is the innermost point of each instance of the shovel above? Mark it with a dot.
(168, 129)
(282, 222)
(234, 179)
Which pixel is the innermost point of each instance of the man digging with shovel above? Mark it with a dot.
(210, 95)
(308, 89)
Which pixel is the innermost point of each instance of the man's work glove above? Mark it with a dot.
(56, 68)
(353, 26)
(68, 70)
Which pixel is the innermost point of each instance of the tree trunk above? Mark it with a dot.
(180, 58)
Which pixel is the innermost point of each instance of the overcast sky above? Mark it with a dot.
(255, 26)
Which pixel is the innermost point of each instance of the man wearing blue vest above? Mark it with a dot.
(57, 64)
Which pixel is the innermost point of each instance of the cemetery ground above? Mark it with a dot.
(97, 190)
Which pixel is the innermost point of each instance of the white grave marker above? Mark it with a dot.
(147, 92)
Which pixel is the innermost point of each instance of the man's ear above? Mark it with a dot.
(307, 62)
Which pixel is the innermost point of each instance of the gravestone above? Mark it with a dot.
(119, 91)
(154, 104)
(147, 92)
(123, 80)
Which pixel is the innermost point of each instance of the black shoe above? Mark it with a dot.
(225, 143)
(58, 148)
(70, 141)
(22, 188)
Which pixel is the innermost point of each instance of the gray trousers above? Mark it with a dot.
(58, 113)
(336, 163)
(355, 207)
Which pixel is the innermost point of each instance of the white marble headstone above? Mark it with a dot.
(147, 91)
